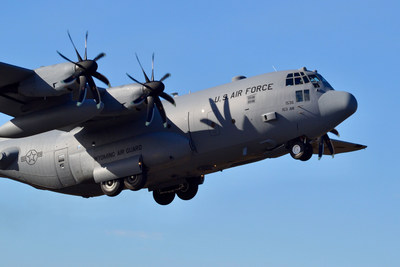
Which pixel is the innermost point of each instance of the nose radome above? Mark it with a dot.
(337, 105)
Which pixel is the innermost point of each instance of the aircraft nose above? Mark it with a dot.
(336, 106)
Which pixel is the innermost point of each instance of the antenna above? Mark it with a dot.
(274, 68)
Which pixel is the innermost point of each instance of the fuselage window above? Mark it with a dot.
(307, 95)
(299, 96)
(303, 95)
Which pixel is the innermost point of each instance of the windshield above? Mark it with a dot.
(297, 78)
(325, 82)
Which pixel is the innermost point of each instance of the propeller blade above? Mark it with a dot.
(133, 79)
(144, 73)
(320, 148)
(152, 68)
(95, 91)
(86, 45)
(335, 132)
(136, 81)
(64, 57)
(102, 78)
(161, 110)
(150, 110)
(77, 53)
(99, 56)
(67, 59)
(140, 99)
(82, 90)
(70, 79)
(329, 144)
(169, 98)
(165, 77)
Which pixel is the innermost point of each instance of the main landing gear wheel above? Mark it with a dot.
(302, 151)
(135, 182)
(308, 152)
(112, 188)
(163, 198)
(188, 192)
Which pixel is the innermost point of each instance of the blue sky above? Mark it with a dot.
(278, 212)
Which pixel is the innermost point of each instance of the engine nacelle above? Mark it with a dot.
(48, 81)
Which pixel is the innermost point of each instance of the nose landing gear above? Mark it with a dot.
(301, 150)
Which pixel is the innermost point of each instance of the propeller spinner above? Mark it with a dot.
(152, 91)
(85, 70)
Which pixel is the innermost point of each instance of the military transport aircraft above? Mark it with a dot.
(69, 136)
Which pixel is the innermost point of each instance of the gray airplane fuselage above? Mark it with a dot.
(233, 124)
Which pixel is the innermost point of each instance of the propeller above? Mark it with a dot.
(325, 139)
(85, 70)
(152, 92)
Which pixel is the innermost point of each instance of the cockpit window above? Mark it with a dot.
(299, 78)
(313, 78)
(298, 81)
(325, 82)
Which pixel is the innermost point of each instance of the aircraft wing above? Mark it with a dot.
(340, 147)
(10, 74)
(10, 101)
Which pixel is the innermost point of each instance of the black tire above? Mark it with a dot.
(163, 199)
(308, 152)
(135, 182)
(112, 188)
(188, 192)
(297, 150)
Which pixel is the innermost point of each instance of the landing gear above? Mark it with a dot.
(163, 198)
(308, 152)
(185, 190)
(301, 150)
(112, 188)
(188, 192)
(135, 182)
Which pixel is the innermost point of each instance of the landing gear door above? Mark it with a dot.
(62, 167)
